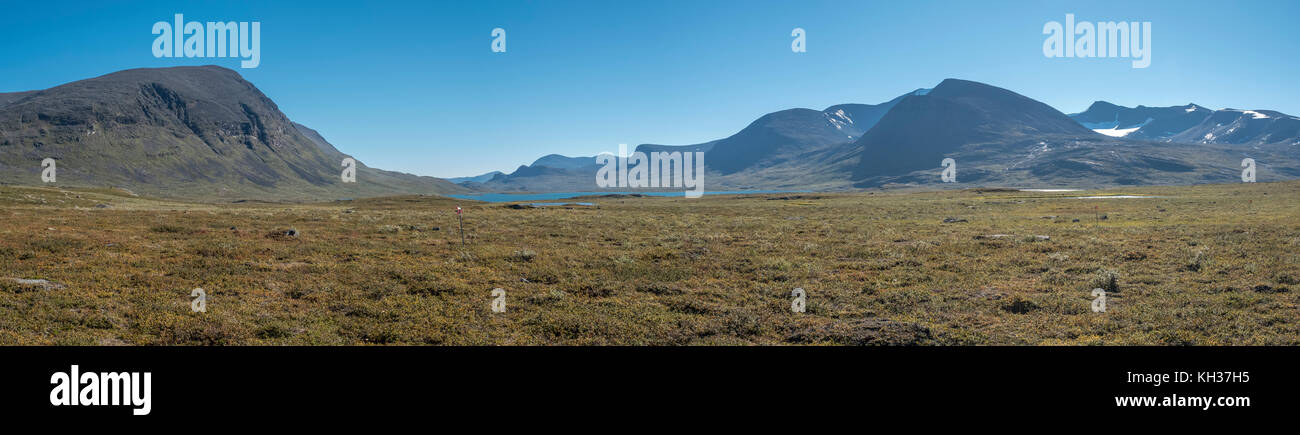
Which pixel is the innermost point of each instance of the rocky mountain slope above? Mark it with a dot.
(201, 133)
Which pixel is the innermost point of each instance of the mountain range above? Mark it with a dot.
(997, 137)
(1192, 124)
(206, 133)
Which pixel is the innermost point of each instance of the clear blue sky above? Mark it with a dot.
(414, 86)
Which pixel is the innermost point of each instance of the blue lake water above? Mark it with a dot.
(513, 197)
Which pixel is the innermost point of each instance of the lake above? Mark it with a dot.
(514, 197)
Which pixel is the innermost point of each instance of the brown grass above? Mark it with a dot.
(1205, 265)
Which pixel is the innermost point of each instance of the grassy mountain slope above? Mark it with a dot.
(200, 133)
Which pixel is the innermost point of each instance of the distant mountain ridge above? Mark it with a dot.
(782, 140)
(1141, 122)
(998, 137)
(475, 179)
(561, 162)
(1192, 124)
(1249, 127)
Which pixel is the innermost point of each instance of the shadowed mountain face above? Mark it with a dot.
(922, 129)
(186, 132)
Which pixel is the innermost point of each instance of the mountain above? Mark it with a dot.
(996, 136)
(794, 148)
(184, 132)
(536, 178)
(1192, 124)
(1141, 122)
(922, 129)
(552, 172)
(655, 148)
(561, 162)
(1000, 138)
(1244, 127)
(475, 179)
(6, 98)
(795, 134)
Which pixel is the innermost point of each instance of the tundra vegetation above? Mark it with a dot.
(1200, 265)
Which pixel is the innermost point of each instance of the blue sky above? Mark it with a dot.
(414, 86)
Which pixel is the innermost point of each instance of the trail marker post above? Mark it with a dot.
(460, 223)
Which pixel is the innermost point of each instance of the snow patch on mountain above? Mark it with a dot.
(839, 119)
(1112, 128)
(1116, 132)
